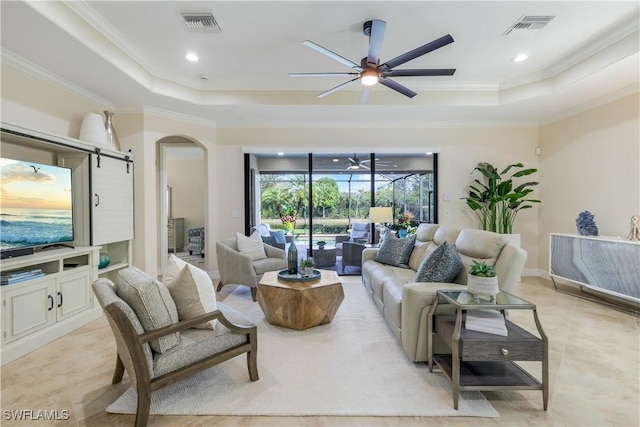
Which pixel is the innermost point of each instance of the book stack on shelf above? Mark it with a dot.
(20, 276)
(487, 321)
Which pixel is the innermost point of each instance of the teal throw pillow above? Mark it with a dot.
(395, 251)
(441, 266)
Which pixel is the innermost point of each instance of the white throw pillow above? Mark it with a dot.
(194, 295)
(174, 265)
(251, 245)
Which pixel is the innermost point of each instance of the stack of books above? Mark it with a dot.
(487, 321)
(20, 276)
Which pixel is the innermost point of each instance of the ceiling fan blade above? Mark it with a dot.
(364, 96)
(365, 166)
(418, 72)
(323, 74)
(332, 55)
(398, 87)
(375, 40)
(337, 88)
(419, 51)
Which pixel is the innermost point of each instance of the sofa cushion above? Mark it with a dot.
(194, 295)
(152, 304)
(441, 265)
(395, 251)
(251, 245)
(418, 254)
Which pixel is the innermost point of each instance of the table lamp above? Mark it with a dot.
(381, 215)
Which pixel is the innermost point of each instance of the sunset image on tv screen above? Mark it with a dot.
(35, 204)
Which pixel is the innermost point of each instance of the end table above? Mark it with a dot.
(482, 361)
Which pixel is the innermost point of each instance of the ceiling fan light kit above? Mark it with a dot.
(371, 72)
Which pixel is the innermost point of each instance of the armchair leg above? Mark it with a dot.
(252, 364)
(219, 287)
(118, 372)
(144, 406)
(254, 293)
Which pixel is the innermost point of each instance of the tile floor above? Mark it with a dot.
(594, 375)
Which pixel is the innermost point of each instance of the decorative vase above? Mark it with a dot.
(307, 271)
(480, 286)
(93, 131)
(105, 259)
(403, 233)
(113, 142)
(321, 245)
(292, 258)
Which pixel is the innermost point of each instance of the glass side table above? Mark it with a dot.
(482, 361)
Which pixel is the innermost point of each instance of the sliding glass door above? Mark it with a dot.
(317, 198)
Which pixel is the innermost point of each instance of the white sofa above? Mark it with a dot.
(405, 303)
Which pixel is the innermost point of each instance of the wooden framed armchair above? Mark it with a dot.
(196, 349)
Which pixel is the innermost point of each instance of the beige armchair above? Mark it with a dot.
(238, 268)
(194, 349)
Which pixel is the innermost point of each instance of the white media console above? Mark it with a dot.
(607, 265)
(40, 310)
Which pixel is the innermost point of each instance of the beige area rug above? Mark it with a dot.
(353, 366)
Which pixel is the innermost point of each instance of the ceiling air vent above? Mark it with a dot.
(528, 25)
(201, 22)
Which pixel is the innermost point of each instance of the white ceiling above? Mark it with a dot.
(131, 54)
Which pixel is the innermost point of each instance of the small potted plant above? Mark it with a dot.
(306, 266)
(482, 279)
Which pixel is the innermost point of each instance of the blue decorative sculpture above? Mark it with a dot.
(586, 225)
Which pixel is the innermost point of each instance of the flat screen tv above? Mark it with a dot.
(35, 206)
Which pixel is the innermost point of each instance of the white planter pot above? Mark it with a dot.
(483, 285)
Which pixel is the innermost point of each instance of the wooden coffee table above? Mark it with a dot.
(300, 305)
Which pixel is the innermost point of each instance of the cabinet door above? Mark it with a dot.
(73, 293)
(28, 308)
(111, 200)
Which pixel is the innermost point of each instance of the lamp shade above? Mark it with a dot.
(381, 214)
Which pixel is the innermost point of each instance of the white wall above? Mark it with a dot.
(590, 161)
(186, 178)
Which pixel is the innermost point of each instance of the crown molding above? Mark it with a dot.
(167, 114)
(610, 97)
(16, 61)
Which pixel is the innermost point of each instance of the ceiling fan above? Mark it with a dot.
(355, 163)
(370, 71)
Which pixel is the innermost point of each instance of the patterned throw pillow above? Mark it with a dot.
(441, 265)
(395, 251)
(152, 303)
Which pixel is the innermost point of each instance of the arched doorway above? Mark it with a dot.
(182, 194)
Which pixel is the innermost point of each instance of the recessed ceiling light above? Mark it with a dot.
(280, 153)
(191, 57)
(520, 58)
(428, 153)
(335, 160)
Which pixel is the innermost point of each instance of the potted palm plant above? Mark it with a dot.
(482, 279)
(497, 200)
